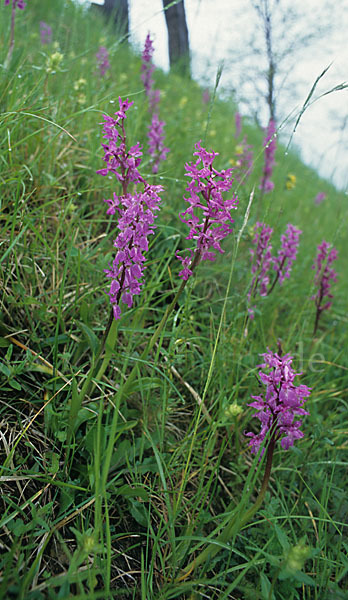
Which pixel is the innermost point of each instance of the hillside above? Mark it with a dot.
(125, 468)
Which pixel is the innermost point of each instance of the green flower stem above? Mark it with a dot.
(124, 386)
(236, 523)
(276, 277)
(12, 39)
(107, 333)
(158, 331)
(153, 339)
(108, 340)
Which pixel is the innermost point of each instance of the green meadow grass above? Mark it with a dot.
(177, 462)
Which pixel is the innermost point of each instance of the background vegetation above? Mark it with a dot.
(180, 459)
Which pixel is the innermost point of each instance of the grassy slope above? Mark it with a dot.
(173, 471)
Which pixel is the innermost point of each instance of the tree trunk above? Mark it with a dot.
(117, 11)
(267, 16)
(178, 40)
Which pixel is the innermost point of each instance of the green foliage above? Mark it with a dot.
(110, 496)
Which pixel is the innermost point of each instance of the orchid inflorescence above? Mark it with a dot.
(135, 210)
(263, 260)
(206, 187)
(103, 63)
(324, 275)
(157, 151)
(147, 68)
(45, 33)
(269, 144)
(320, 197)
(279, 407)
(282, 263)
(238, 124)
(16, 4)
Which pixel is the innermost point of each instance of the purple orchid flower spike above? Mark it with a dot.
(238, 124)
(103, 63)
(45, 33)
(262, 260)
(280, 405)
(147, 67)
(16, 4)
(324, 275)
(282, 263)
(206, 189)
(269, 144)
(135, 211)
(320, 197)
(157, 150)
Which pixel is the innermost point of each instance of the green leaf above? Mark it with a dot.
(83, 415)
(265, 587)
(282, 538)
(17, 527)
(66, 499)
(61, 436)
(139, 513)
(132, 492)
(5, 370)
(74, 251)
(90, 336)
(14, 384)
(144, 384)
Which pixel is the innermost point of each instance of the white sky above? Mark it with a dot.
(218, 26)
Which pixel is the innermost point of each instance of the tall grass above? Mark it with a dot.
(114, 496)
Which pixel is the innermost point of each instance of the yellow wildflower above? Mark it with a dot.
(183, 101)
(290, 181)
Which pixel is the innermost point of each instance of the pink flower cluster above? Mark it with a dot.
(269, 144)
(206, 96)
(282, 263)
(16, 4)
(135, 211)
(319, 198)
(238, 124)
(147, 68)
(103, 63)
(45, 33)
(157, 151)
(206, 188)
(279, 407)
(156, 137)
(324, 275)
(262, 258)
